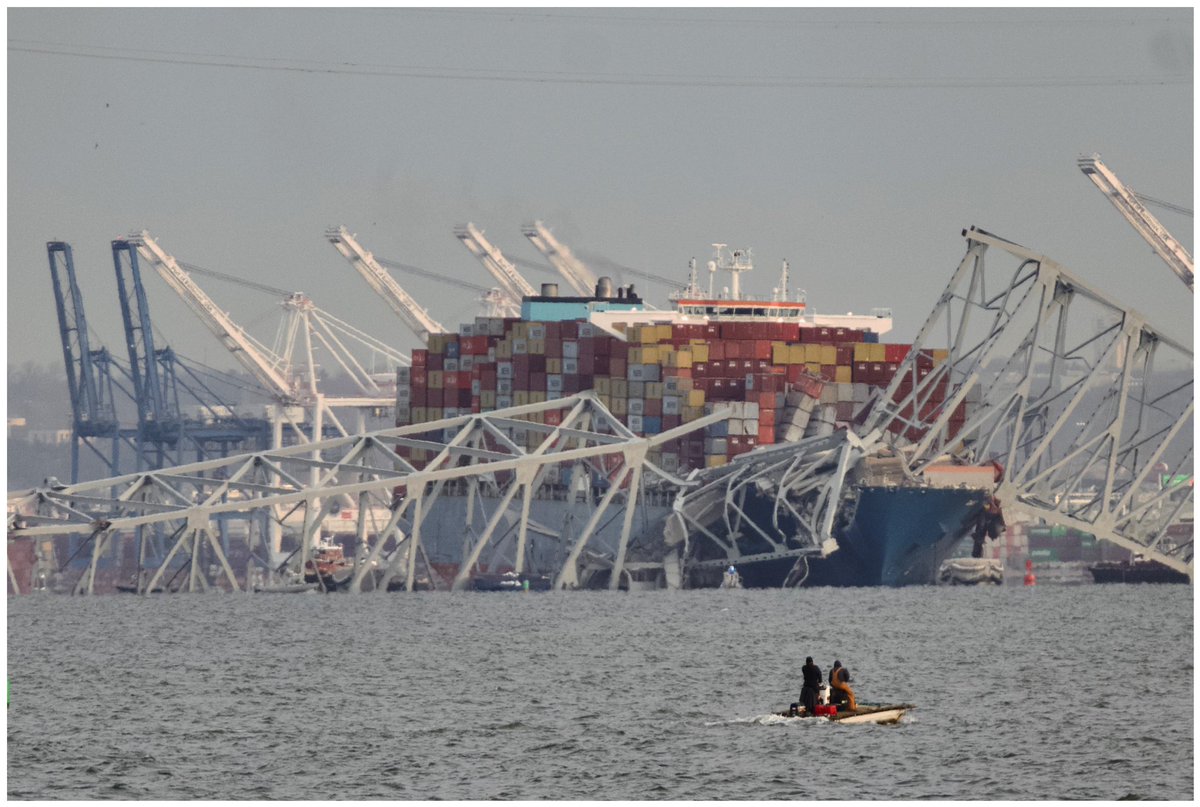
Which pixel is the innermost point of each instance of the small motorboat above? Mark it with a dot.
(880, 713)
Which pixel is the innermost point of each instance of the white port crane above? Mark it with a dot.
(292, 383)
(1128, 204)
(577, 275)
(512, 284)
(412, 313)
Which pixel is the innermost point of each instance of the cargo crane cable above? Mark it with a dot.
(416, 270)
(241, 281)
(1141, 197)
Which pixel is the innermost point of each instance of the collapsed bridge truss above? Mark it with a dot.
(406, 468)
(1086, 406)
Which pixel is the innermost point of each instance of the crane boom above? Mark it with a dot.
(512, 284)
(577, 275)
(1127, 203)
(414, 316)
(236, 340)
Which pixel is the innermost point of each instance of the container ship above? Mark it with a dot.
(783, 372)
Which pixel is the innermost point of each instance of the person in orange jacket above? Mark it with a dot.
(839, 685)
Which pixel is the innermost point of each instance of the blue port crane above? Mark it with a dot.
(165, 434)
(90, 371)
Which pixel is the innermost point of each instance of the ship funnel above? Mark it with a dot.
(604, 287)
(549, 289)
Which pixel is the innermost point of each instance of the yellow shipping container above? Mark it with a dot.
(487, 398)
(699, 353)
(796, 354)
(419, 414)
(862, 352)
(606, 400)
(619, 406)
(878, 353)
(715, 461)
(520, 330)
(535, 417)
(504, 349)
(828, 354)
(554, 366)
(940, 354)
(696, 398)
(603, 385)
(842, 374)
(436, 379)
(654, 389)
(537, 397)
(520, 398)
(813, 367)
(779, 353)
(537, 347)
(662, 332)
(683, 359)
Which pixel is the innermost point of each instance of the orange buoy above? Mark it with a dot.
(1030, 578)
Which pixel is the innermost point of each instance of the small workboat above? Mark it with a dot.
(880, 713)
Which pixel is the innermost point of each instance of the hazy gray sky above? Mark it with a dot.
(855, 143)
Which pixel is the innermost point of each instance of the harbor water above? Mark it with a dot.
(1050, 692)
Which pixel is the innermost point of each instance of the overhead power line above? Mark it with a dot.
(607, 79)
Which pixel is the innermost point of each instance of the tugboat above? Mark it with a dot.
(329, 566)
(511, 581)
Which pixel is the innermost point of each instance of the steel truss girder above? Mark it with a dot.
(1079, 399)
(806, 480)
(188, 498)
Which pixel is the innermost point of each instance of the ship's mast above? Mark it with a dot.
(738, 261)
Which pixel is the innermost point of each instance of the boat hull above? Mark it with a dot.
(897, 536)
(876, 713)
(1142, 571)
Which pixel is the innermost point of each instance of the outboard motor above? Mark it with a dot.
(823, 694)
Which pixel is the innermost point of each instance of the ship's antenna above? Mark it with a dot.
(783, 281)
(712, 273)
(693, 286)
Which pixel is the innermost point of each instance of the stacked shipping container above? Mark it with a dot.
(781, 381)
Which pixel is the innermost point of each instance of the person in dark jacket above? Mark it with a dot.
(812, 685)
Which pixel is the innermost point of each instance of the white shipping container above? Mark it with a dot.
(570, 350)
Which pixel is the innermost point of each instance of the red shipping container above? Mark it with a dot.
(587, 347)
(671, 422)
(766, 417)
(554, 348)
(434, 361)
(571, 384)
(733, 350)
(829, 371)
(700, 369)
(602, 365)
(616, 348)
(653, 407)
(587, 364)
(537, 382)
(537, 364)
(553, 332)
(716, 351)
(419, 357)
(553, 417)
(766, 434)
(450, 380)
(617, 368)
(793, 372)
(762, 349)
(845, 355)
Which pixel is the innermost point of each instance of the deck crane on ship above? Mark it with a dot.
(512, 285)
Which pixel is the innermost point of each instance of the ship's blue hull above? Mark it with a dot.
(896, 536)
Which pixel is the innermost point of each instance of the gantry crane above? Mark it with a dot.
(1129, 205)
(414, 315)
(512, 284)
(291, 383)
(578, 276)
(90, 381)
(159, 374)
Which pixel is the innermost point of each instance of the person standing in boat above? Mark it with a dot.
(839, 685)
(812, 683)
